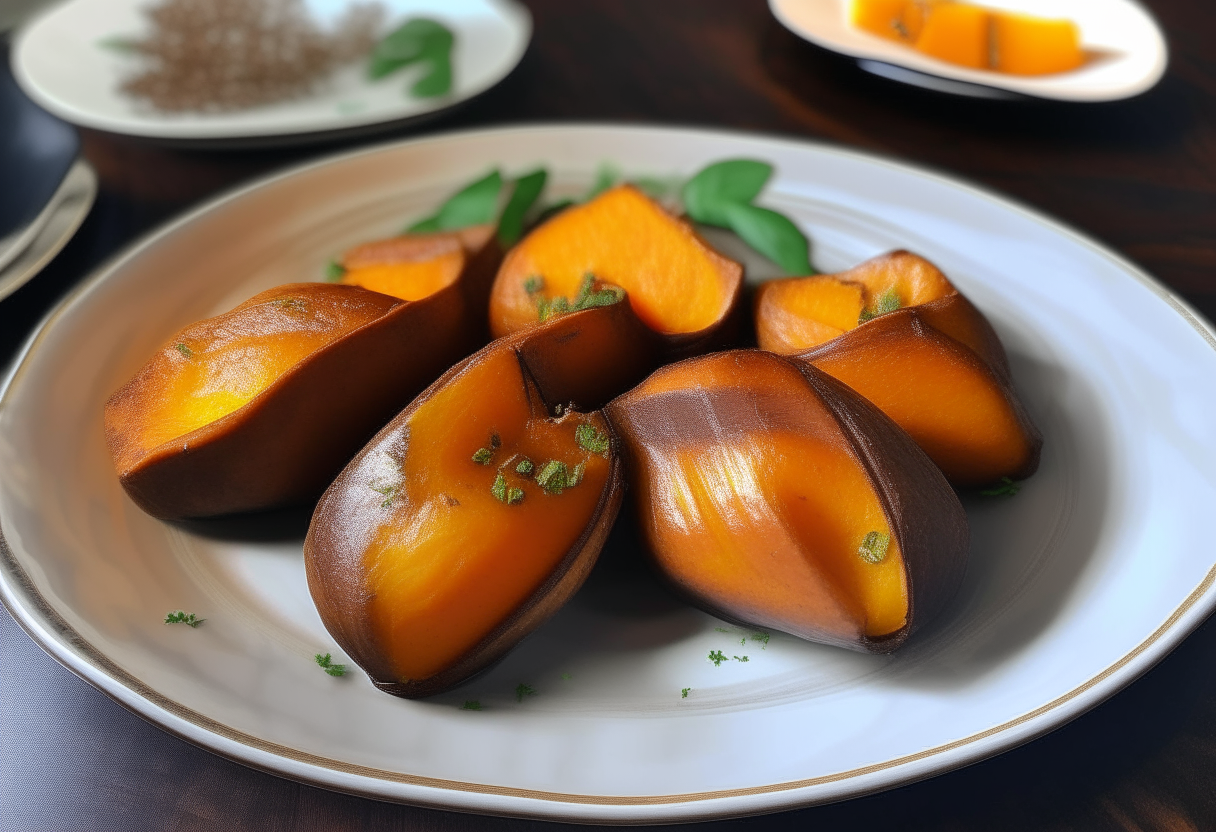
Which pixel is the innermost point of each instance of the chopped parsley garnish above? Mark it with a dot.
(741, 658)
(534, 284)
(471, 705)
(327, 664)
(187, 618)
(522, 690)
(524, 467)
(1005, 488)
(389, 491)
(684, 692)
(553, 477)
(515, 496)
(717, 657)
(499, 488)
(567, 676)
(587, 298)
(721, 630)
(590, 439)
(186, 351)
(888, 301)
(873, 548)
(761, 637)
(483, 456)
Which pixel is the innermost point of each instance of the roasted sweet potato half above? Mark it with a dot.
(478, 511)
(773, 495)
(963, 413)
(679, 286)
(263, 405)
(895, 330)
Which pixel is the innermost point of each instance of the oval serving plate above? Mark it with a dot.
(1076, 586)
(1126, 48)
(64, 61)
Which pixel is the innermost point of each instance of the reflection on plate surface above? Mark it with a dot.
(1076, 585)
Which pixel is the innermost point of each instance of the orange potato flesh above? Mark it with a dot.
(409, 281)
(212, 368)
(1027, 45)
(795, 314)
(448, 561)
(761, 516)
(964, 416)
(413, 266)
(675, 282)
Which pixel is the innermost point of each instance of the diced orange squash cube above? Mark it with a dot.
(1027, 45)
(957, 33)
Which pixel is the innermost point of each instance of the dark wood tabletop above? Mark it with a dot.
(1138, 175)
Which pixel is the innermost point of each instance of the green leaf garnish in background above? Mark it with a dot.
(471, 705)
(187, 618)
(522, 690)
(684, 692)
(1005, 488)
(326, 663)
(717, 657)
(334, 271)
(773, 235)
(523, 196)
(605, 178)
(474, 204)
(732, 182)
(417, 40)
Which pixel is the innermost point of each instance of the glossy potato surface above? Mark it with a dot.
(759, 485)
(677, 285)
(448, 538)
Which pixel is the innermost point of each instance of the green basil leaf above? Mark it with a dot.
(771, 234)
(605, 178)
(732, 182)
(474, 204)
(523, 197)
(415, 40)
(438, 81)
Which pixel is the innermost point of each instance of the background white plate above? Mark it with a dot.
(60, 63)
(1076, 585)
(1128, 49)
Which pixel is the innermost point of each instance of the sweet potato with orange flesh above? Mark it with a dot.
(414, 266)
(794, 314)
(678, 285)
(941, 373)
(775, 496)
(957, 33)
(473, 516)
(964, 413)
(263, 405)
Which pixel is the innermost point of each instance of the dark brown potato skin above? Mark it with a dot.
(925, 516)
(929, 522)
(287, 443)
(936, 322)
(565, 360)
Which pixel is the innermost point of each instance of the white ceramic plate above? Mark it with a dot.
(1128, 53)
(1076, 586)
(53, 228)
(61, 62)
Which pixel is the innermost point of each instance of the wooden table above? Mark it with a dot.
(1138, 175)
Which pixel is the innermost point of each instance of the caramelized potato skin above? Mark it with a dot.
(285, 444)
(700, 409)
(568, 359)
(959, 408)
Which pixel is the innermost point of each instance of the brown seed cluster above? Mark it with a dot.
(223, 55)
